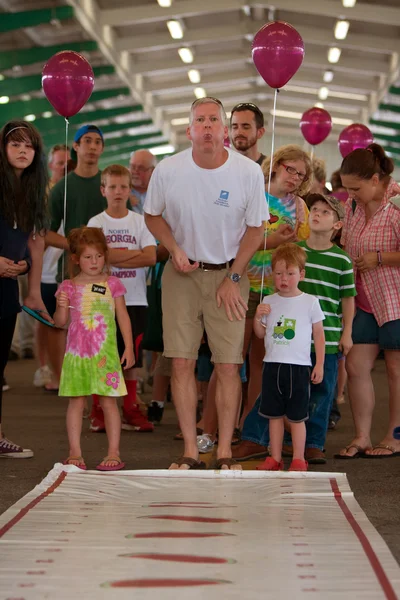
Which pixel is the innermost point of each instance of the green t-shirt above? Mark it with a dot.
(84, 201)
(329, 277)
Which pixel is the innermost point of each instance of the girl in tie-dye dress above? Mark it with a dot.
(91, 300)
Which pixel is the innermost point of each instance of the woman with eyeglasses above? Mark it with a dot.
(290, 179)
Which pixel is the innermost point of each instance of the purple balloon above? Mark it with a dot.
(315, 125)
(68, 82)
(278, 51)
(354, 136)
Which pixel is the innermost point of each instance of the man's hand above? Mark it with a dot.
(181, 262)
(367, 261)
(346, 343)
(282, 235)
(228, 293)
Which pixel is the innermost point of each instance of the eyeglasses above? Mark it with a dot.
(140, 169)
(293, 171)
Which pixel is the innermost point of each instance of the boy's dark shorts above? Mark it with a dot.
(138, 318)
(285, 392)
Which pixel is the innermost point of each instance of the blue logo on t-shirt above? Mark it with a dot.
(223, 198)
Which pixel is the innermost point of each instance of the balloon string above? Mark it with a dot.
(312, 152)
(268, 189)
(65, 197)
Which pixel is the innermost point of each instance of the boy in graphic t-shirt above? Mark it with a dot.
(287, 320)
(132, 248)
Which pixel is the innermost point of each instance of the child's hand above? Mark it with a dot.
(317, 374)
(128, 358)
(263, 310)
(62, 300)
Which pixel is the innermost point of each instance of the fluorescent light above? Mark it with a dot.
(4, 99)
(25, 97)
(175, 29)
(194, 76)
(186, 55)
(47, 114)
(181, 121)
(339, 121)
(199, 92)
(166, 149)
(328, 185)
(319, 105)
(349, 3)
(288, 114)
(341, 29)
(323, 93)
(30, 118)
(334, 55)
(328, 76)
(348, 96)
(2, 77)
(164, 3)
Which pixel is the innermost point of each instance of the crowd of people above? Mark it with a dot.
(225, 272)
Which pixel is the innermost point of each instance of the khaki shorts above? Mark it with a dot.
(189, 306)
(163, 366)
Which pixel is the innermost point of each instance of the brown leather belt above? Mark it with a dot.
(211, 267)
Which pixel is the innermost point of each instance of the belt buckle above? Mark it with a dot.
(203, 268)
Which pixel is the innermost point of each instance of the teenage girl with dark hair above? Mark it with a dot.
(371, 235)
(23, 182)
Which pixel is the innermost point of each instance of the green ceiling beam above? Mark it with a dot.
(59, 138)
(125, 140)
(121, 126)
(389, 124)
(128, 149)
(390, 107)
(18, 110)
(394, 90)
(29, 56)
(392, 149)
(13, 86)
(31, 18)
(122, 156)
(388, 138)
(57, 123)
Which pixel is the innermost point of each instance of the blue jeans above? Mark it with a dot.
(256, 428)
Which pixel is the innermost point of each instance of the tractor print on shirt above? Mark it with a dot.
(284, 329)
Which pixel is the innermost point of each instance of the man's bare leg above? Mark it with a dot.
(184, 394)
(227, 400)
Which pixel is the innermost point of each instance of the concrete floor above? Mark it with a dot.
(35, 419)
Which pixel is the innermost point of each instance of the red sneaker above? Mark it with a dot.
(298, 465)
(97, 424)
(134, 420)
(270, 464)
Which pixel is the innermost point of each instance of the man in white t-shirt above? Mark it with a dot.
(132, 249)
(206, 205)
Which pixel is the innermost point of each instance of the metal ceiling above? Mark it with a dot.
(143, 92)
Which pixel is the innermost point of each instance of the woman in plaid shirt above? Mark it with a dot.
(371, 236)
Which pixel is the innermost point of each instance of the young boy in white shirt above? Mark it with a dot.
(132, 249)
(287, 320)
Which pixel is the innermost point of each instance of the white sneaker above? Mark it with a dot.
(42, 376)
(204, 443)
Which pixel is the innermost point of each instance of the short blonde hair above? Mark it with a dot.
(118, 170)
(290, 152)
(319, 169)
(208, 100)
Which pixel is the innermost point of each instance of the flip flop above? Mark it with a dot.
(360, 453)
(81, 465)
(35, 313)
(192, 463)
(120, 465)
(393, 451)
(229, 462)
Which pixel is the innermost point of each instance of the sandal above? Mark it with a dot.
(192, 463)
(229, 462)
(36, 313)
(391, 449)
(80, 465)
(360, 453)
(120, 465)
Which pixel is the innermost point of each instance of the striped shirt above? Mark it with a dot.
(329, 277)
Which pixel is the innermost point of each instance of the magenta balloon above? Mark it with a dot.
(315, 125)
(227, 142)
(68, 82)
(278, 51)
(354, 136)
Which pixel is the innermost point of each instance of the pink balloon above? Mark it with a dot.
(68, 82)
(315, 125)
(354, 136)
(278, 51)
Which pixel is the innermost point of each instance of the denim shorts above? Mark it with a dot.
(367, 331)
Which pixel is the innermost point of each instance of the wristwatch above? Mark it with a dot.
(235, 277)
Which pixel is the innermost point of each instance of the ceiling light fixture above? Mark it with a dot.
(323, 93)
(164, 3)
(180, 121)
(4, 99)
(319, 105)
(166, 149)
(2, 77)
(47, 114)
(175, 29)
(186, 55)
(334, 55)
(30, 118)
(328, 76)
(25, 97)
(341, 29)
(199, 92)
(194, 76)
(349, 3)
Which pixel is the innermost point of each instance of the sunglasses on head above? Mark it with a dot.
(247, 106)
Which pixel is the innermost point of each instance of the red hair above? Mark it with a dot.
(79, 239)
(292, 254)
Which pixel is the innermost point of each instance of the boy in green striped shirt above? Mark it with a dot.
(329, 277)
